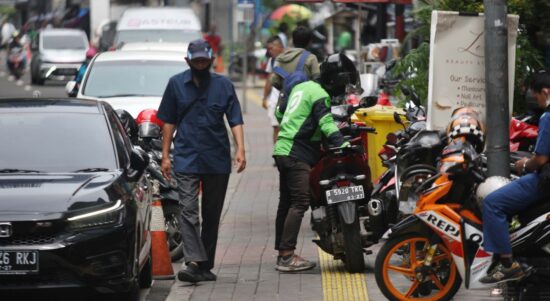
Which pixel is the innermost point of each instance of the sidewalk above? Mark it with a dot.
(245, 256)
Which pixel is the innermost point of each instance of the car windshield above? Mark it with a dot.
(55, 142)
(157, 35)
(61, 42)
(130, 78)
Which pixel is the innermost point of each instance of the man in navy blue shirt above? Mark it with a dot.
(194, 104)
(516, 196)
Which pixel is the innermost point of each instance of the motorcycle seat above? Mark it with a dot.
(534, 211)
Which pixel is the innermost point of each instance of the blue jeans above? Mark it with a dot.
(502, 204)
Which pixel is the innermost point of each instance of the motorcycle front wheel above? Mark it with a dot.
(353, 259)
(401, 259)
(173, 221)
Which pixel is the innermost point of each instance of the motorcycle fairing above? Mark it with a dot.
(476, 260)
(521, 237)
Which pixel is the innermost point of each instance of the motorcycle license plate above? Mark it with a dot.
(18, 262)
(344, 194)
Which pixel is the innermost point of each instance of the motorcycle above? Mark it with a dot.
(523, 133)
(384, 207)
(430, 253)
(167, 193)
(340, 185)
(16, 61)
(403, 151)
(145, 132)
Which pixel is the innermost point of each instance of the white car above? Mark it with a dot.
(152, 46)
(129, 80)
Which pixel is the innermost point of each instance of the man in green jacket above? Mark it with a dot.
(304, 122)
(288, 60)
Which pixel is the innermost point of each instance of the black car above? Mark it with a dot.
(75, 204)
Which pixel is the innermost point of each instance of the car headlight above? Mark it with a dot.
(102, 217)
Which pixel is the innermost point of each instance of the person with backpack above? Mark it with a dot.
(288, 60)
(195, 103)
(305, 119)
(271, 95)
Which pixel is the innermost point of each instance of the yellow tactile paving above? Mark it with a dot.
(339, 285)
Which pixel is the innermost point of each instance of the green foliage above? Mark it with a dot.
(7, 11)
(415, 65)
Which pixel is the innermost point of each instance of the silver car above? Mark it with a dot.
(129, 80)
(57, 54)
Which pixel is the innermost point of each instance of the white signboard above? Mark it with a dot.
(457, 65)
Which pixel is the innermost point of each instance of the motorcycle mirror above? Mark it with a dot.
(369, 101)
(397, 118)
(71, 89)
(415, 98)
(406, 91)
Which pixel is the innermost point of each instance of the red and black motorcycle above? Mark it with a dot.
(341, 186)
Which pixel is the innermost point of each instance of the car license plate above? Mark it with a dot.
(66, 71)
(18, 262)
(343, 194)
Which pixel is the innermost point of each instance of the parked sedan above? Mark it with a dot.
(57, 54)
(130, 80)
(75, 205)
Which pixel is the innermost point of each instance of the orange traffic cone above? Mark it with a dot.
(219, 64)
(162, 262)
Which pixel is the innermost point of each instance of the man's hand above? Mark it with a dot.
(519, 165)
(240, 160)
(166, 168)
(264, 103)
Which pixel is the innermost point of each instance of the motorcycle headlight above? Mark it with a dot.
(97, 218)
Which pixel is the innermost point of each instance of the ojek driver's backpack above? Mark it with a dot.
(290, 80)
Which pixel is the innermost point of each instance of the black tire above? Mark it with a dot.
(394, 246)
(412, 174)
(173, 221)
(36, 80)
(354, 260)
(146, 274)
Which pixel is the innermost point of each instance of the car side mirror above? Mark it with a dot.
(139, 160)
(71, 88)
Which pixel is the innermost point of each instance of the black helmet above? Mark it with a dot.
(129, 124)
(337, 71)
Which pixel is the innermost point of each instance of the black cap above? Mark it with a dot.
(199, 48)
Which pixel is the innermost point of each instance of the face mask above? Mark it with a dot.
(201, 75)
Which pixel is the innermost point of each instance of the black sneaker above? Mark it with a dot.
(209, 276)
(191, 274)
(502, 274)
(293, 264)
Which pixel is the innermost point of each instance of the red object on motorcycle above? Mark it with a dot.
(383, 99)
(521, 131)
(149, 115)
(352, 99)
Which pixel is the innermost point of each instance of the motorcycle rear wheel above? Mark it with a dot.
(396, 267)
(173, 221)
(353, 260)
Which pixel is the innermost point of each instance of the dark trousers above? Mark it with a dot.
(293, 201)
(199, 241)
(502, 204)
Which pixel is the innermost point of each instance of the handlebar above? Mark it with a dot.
(362, 128)
(342, 150)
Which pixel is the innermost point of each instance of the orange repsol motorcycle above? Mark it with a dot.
(429, 254)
